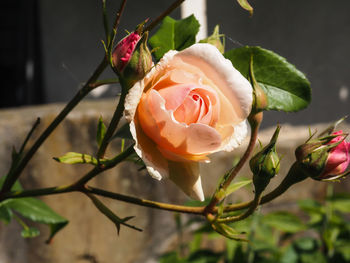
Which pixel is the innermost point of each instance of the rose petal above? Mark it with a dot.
(156, 164)
(178, 137)
(175, 95)
(186, 176)
(220, 70)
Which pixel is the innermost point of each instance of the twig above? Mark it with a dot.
(15, 173)
(171, 8)
(254, 121)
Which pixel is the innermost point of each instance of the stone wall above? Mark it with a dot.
(89, 236)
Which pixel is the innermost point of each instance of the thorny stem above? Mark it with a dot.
(15, 173)
(295, 175)
(118, 113)
(109, 213)
(199, 210)
(115, 26)
(147, 203)
(253, 205)
(106, 165)
(171, 8)
(255, 121)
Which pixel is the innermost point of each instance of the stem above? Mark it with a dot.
(115, 28)
(171, 8)
(147, 203)
(106, 165)
(295, 175)
(253, 205)
(35, 125)
(254, 120)
(15, 173)
(112, 125)
(39, 192)
(109, 213)
(103, 82)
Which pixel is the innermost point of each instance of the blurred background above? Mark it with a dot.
(49, 48)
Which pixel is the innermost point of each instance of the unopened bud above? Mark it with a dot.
(124, 51)
(215, 40)
(265, 164)
(140, 62)
(326, 158)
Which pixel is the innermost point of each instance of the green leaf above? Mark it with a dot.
(30, 232)
(37, 211)
(340, 202)
(204, 256)
(171, 257)
(287, 88)
(33, 209)
(244, 4)
(75, 158)
(284, 221)
(101, 131)
(174, 35)
(5, 214)
(236, 186)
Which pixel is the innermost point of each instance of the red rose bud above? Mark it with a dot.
(325, 158)
(140, 62)
(124, 51)
(265, 164)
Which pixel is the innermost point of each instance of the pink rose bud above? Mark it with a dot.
(338, 158)
(124, 50)
(325, 158)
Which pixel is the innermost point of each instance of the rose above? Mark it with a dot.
(338, 159)
(191, 104)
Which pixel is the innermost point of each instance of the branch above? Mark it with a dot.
(171, 8)
(254, 120)
(15, 173)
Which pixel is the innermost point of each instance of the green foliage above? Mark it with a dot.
(287, 89)
(174, 35)
(244, 4)
(101, 131)
(237, 185)
(76, 158)
(317, 233)
(32, 209)
(284, 221)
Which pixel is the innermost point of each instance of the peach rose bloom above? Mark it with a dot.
(191, 104)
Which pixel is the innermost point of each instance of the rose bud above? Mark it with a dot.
(265, 164)
(132, 58)
(124, 50)
(215, 40)
(191, 104)
(325, 158)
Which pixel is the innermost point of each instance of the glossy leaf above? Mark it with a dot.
(174, 35)
(76, 158)
(287, 88)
